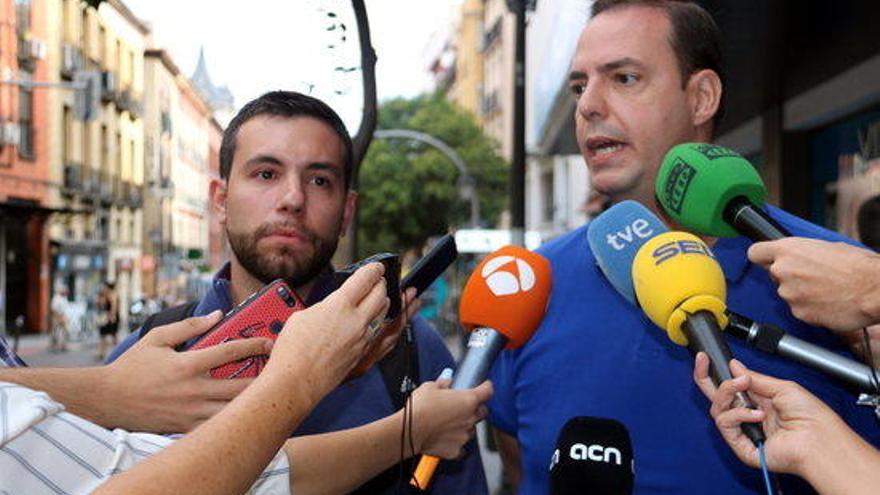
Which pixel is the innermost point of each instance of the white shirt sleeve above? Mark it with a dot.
(46, 450)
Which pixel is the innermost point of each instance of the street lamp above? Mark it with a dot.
(466, 182)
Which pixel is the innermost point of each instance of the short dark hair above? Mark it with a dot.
(285, 104)
(695, 39)
(868, 220)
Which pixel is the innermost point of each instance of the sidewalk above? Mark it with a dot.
(34, 349)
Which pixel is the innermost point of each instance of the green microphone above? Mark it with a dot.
(714, 191)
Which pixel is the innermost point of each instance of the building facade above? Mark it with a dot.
(25, 185)
(96, 137)
(180, 131)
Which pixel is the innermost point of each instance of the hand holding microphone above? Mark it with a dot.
(502, 305)
(444, 419)
(804, 436)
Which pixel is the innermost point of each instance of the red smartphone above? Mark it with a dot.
(263, 314)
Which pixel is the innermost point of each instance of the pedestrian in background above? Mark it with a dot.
(60, 307)
(108, 318)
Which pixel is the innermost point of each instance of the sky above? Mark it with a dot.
(260, 45)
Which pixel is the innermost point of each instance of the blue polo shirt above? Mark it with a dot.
(597, 355)
(364, 399)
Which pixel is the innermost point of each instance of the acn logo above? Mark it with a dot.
(507, 282)
(598, 453)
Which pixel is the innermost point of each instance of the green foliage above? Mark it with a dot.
(409, 190)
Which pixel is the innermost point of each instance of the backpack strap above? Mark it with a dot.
(168, 315)
(400, 372)
(400, 368)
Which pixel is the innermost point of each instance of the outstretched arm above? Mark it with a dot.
(339, 462)
(316, 350)
(152, 387)
(804, 436)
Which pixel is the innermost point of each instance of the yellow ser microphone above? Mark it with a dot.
(680, 287)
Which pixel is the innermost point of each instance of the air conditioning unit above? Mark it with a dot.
(36, 49)
(10, 133)
(71, 60)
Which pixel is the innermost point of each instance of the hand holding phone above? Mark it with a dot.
(392, 278)
(263, 314)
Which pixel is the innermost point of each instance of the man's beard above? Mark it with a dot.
(281, 262)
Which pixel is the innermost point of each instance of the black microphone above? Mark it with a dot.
(773, 340)
(593, 455)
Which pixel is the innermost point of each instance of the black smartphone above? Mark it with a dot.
(431, 265)
(392, 278)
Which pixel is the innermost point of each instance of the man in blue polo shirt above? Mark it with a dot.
(646, 76)
(284, 199)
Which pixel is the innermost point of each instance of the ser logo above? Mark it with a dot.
(677, 183)
(672, 249)
(507, 282)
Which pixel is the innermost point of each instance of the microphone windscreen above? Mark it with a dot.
(593, 455)
(615, 237)
(507, 292)
(696, 181)
(677, 270)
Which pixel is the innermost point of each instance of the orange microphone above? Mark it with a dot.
(502, 304)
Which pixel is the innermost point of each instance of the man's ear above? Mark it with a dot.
(704, 96)
(348, 212)
(217, 192)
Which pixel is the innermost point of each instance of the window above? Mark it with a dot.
(65, 136)
(102, 47)
(547, 195)
(23, 16)
(26, 123)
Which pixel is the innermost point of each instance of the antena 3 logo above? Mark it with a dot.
(677, 184)
(713, 152)
(507, 282)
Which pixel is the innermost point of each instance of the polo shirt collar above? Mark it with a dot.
(731, 254)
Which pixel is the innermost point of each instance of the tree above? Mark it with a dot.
(409, 190)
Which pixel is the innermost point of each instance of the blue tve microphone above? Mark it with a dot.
(615, 237)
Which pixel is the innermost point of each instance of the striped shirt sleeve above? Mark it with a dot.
(8, 357)
(46, 450)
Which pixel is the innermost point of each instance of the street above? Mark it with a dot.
(34, 349)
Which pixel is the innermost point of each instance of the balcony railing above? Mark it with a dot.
(105, 190)
(135, 196)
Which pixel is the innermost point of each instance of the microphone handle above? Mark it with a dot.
(751, 221)
(773, 340)
(483, 347)
(704, 335)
